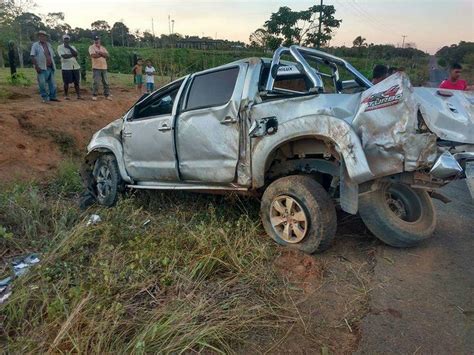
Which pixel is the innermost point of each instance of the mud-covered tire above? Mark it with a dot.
(107, 180)
(398, 214)
(307, 197)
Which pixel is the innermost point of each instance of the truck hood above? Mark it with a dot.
(448, 113)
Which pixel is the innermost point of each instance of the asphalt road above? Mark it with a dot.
(437, 75)
(423, 298)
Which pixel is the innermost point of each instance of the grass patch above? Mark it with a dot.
(162, 272)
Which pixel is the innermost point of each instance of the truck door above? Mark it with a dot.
(148, 137)
(208, 126)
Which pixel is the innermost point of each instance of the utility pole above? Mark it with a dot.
(320, 20)
(172, 26)
(403, 42)
(153, 32)
(169, 24)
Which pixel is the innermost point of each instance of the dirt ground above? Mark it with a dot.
(359, 296)
(37, 136)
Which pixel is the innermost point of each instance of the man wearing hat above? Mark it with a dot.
(42, 56)
(99, 57)
(69, 67)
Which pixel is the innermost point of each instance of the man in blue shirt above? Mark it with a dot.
(42, 56)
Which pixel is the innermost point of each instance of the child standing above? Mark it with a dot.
(150, 76)
(138, 75)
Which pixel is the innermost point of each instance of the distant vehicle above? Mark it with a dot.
(305, 134)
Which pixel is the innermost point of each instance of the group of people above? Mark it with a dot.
(42, 57)
(137, 72)
(453, 82)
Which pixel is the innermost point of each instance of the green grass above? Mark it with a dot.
(162, 272)
(116, 79)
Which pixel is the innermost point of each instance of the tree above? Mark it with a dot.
(120, 34)
(359, 42)
(259, 38)
(57, 26)
(101, 28)
(10, 27)
(302, 27)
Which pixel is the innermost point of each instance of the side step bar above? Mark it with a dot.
(185, 186)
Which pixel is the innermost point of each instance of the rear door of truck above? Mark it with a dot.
(208, 125)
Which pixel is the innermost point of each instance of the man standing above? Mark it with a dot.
(453, 82)
(42, 56)
(69, 67)
(99, 57)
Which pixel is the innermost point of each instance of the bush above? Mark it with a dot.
(19, 79)
(442, 63)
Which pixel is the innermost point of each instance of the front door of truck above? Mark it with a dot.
(208, 125)
(148, 137)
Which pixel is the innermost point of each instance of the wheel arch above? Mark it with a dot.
(323, 130)
(108, 145)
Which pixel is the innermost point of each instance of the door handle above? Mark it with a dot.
(228, 120)
(164, 127)
(126, 134)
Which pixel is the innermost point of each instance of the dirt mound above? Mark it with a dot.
(37, 136)
(300, 269)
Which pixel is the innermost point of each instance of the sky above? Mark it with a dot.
(430, 24)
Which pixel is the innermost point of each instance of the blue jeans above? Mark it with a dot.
(47, 77)
(150, 87)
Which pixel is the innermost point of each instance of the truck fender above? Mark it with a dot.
(323, 127)
(104, 144)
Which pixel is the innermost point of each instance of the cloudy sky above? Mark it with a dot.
(429, 24)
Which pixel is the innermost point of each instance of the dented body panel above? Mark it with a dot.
(388, 130)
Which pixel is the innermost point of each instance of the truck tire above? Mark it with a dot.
(107, 180)
(297, 212)
(398, 214)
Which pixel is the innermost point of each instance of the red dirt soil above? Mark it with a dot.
(37, 136)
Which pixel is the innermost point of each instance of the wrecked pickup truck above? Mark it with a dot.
(305, 131)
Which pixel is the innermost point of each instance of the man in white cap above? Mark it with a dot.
(69, 67)
(42, 56)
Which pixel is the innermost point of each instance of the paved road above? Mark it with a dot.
(423, 298)
(437, 75)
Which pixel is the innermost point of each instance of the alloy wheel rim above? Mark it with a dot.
(289, 220)
(104, 181)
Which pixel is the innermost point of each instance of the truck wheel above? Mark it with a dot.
(297, 212)
(107, 180)
(398, 214)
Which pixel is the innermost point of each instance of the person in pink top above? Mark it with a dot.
(453, 82)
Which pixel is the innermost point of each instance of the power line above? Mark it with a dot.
(367, 18)
(320, 20)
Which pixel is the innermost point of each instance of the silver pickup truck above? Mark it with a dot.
(305, 132)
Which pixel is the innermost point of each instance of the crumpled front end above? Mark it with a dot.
(108, 134)
(387, 122)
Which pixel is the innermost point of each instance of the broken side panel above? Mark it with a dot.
(387, 123)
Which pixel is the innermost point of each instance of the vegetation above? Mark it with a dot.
(153, 276)
(462, 53)
(311, 27)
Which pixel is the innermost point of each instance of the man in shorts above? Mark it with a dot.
(69, 67)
